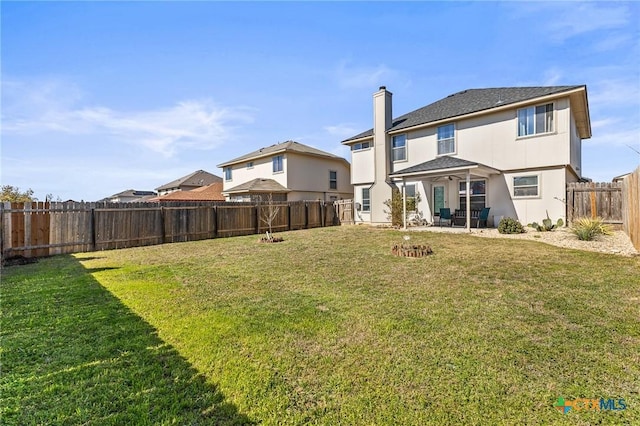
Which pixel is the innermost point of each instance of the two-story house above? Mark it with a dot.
(289, 171)
(194, 180)
(511, 149)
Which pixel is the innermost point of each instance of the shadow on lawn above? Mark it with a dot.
(74, 354)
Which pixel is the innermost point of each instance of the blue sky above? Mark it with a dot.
(99, 97)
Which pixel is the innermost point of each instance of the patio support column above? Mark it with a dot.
(404, 205)
(468, 195)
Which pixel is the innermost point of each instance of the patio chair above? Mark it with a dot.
(445, 214)
(482, 217)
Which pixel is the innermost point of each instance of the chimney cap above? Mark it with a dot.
(383, 87)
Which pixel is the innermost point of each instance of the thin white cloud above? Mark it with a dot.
(611, 91)
(362, 77)
(191, 124)
(342, 130)
(563, 20)
(613, 42)
(552, 77)
(611, 136)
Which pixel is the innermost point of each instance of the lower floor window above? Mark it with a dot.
(410, 193)
(525, 186)
(477, 195)
(366, 200)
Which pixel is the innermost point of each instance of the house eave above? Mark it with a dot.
(352, 141)
(278, 152)
(478, 169)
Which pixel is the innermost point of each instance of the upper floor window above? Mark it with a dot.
(399, 147)
(535, 119)
(250, 165)
(446, 139)
(360, 146)
(227, 173)
(333, 179)
(525, 186)
(277, 163)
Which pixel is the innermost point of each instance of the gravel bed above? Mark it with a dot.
(618, 243)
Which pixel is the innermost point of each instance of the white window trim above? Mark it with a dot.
(275, 172)
(406, 148)
(535, 135)
(362, 199)
(455, 140)
(486, 189)
(524, 197)
(250, 165)
(330, 180)
(230, 174)
(361, 149)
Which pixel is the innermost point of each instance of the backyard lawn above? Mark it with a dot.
(326, 327)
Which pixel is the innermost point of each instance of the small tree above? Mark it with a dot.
(394, 206)
(13, 194)
(268, 213)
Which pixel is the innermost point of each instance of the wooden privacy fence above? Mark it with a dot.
(631, 207)
(591, 199)
(44, 229)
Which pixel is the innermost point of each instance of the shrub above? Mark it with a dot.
(586, 229)
(394, 206)
(510, 226)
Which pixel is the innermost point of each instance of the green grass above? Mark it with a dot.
(325, 328)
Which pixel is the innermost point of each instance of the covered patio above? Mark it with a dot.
(443, 169)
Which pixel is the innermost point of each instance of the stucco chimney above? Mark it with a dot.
(382, 121)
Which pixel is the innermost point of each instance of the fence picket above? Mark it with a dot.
(41, 229)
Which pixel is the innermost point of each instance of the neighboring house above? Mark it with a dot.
(510, 149)
(212, 192)
(192, 181)
(289, 171)
(130, 196)
(621, 177)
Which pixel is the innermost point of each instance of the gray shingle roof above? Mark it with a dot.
(132, 193)
(288, 146)
(440, 163)
(197, 178)
(467, 102)
(258, 185)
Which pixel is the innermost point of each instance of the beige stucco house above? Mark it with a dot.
(510, 149)
(194, 180)
(289, 171)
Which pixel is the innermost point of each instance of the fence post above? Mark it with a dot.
(1, 231)
(257, 216)
(162, 222)
(93, 228)
(214, 213)
(306, 215)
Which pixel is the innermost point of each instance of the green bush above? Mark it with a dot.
(510, 226)
(586, 229)
(394, 206)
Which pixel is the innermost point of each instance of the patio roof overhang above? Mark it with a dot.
(444, 166)
(448, 167)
